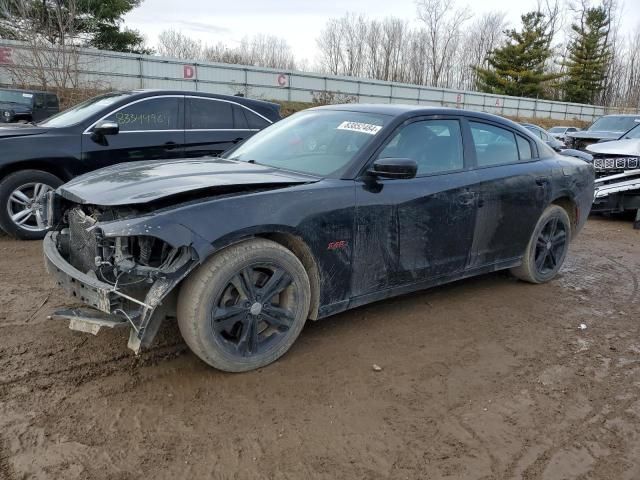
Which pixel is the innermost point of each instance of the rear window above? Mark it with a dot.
(494, 145)
(209, 114)
(255, 121)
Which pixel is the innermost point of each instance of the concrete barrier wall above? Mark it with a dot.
(113, 70)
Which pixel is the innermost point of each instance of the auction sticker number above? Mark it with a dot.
(360, 127)
(143, 119)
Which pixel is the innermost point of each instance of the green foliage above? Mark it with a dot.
(517, 68)
(91, 23)
(588, 57)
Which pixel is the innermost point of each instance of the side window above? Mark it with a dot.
(39, 100)
(209, 114)
(154, 114)
(239, 118)
(524, 148)
(494, 145)
(436, 145)
(255, 121)
(52, 101)
(544, 136)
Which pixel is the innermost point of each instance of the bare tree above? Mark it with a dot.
(330, 47)
(50, 56)
(260, 50)
(174, 44)
(480, 38)
(442, 24)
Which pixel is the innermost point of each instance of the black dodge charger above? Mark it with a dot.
(332, 208)
(113, 128)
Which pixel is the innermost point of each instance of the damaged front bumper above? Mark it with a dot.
(110, 306)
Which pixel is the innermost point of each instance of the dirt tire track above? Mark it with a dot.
(485, 378)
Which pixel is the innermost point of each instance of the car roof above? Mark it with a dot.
(632, 115)
(397, 110)
(268, 109)
(24, 90)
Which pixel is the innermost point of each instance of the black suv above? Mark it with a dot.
(27, 105)
(114, 128)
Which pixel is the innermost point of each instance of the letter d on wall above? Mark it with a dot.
(189, 71)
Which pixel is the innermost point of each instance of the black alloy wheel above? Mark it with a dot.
(251, 313)
(551, 246)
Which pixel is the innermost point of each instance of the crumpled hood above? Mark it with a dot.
(144, 182)
(595, 135)
(629, 147)
(20, 130)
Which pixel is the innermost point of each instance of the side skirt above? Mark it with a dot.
(354, 302)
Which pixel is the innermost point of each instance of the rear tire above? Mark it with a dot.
(547, 247)
(245, 306)
(23, 203)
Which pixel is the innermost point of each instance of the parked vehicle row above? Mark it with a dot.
(606, 128)
(329, 209)
(110, 129)
(27, 105)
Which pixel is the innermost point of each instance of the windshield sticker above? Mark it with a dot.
(27, 95)
(360, 127)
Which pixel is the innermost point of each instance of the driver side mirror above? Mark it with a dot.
(106, 128)
(394, 168)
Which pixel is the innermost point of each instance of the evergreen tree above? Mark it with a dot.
(589, 53)
(517, 68)
(88, 23)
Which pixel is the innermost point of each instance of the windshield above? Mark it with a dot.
(11, 96)
(317, 142)
(557, 130)
(633, 133)
(614, 124)
(83, 111)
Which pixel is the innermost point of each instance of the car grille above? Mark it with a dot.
(83, 243)
(619, 163)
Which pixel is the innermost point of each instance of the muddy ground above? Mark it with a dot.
(485, 378)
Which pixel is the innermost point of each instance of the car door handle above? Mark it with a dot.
(467, 198)
(170, 146)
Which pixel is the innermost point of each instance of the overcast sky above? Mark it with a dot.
(298, 21)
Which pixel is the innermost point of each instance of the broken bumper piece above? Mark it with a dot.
(110, 307)
(88, 320)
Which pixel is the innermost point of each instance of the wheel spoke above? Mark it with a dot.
(278, 282)
(559, 238)
(19, 198)
(39, 220)
(226, 318)
(553, 225)
(243, 281)
(278, 317)
(248, 341)
(540, 259)
(42, 191)
(552, 258)
(22, 216)
(541, 243)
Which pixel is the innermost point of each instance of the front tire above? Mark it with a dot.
(244, 307)
(23, 197)
(547, 247)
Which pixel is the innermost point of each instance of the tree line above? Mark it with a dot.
(568, 50)
(563, 50)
